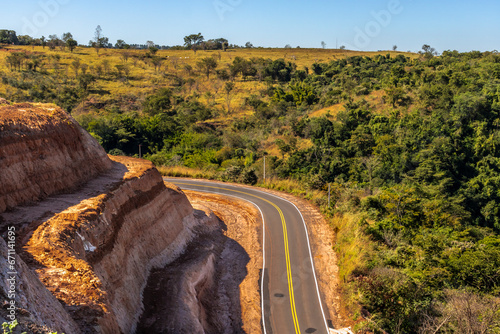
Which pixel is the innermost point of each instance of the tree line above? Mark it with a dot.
(191, 42)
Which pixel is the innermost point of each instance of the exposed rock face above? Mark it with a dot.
(33, 302)
(43, 151)
(94, 254)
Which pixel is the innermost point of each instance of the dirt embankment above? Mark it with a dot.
(86, 251)
(43, 151)
(96, 256)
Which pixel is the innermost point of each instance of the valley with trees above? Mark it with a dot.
(407, 143)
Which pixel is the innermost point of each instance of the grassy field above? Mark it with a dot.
(122, 73)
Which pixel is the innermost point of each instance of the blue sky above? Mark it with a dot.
(357, 24)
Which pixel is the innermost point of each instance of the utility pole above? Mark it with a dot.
(140, 155)
(264, 169)
(329, 191)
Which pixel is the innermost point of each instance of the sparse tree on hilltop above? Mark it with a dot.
(71, 44)
(67, 36)
(99, 40)
(120, 44)
(323, 44)
(429, 51)
(193, 41)
(54, 41)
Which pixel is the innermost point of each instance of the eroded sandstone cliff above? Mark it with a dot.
(96, 256)
(93, 228)
(43, 151)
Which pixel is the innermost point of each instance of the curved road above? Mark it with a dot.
(290, 297)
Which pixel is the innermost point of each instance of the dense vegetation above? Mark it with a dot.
(411, 147)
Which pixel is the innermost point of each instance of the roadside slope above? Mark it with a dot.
(91, 229)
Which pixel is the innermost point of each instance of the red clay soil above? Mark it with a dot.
(43, 151)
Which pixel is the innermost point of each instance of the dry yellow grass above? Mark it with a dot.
(374, 99)
(143, 78)
(329, 111)
(180, 171)
(294, 187)
(352, 245)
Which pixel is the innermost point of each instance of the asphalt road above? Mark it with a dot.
(290, 297)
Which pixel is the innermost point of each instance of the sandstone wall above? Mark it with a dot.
(43, 151)
(33, 302)
(96, 256)
(84, 269)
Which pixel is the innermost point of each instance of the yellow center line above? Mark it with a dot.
(287, 252)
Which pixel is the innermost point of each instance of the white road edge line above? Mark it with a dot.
(263, 250)
(310, 255)
(308, 243)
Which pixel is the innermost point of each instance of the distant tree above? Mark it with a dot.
(153, 50)
(84, 68)
(99, 40)
(288, 46)
(285, 147)
(44, 41)
(8, 37)
(342, 47)
(193, 41)
(221, 44)
(85, 81)
(228, 88)
(394, 48)
(15, 60)
(207, 65)
(158, 103)
(122, 71)
(156, 61)
(150, 44)
(429, 51)
(25, 40)
(249, 45)
(125, 55)
(323, 44)
(120, 44)
(71, 44)
(98, 34)
(396, 96)
(54, 41)
(76, 65)
(66, 36)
